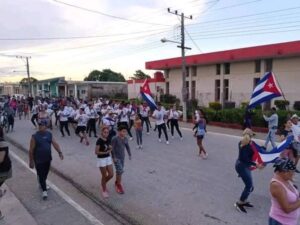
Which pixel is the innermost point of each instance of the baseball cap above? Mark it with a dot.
(295, 116)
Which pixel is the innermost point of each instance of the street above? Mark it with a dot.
(164, 184)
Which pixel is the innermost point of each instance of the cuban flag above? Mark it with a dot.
(266, 89)
(146, 95)
(262, 156)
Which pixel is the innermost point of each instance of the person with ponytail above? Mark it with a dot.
(243, 166)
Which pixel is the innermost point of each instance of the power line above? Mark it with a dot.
(108, 15)
(193, 40)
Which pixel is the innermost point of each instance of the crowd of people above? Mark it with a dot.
(113, 123)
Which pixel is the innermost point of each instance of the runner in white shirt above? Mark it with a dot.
(124, 119)
(63, 115)
(82, 120)
(92, 114)
(174, 115)
(144, 112)
(159, 115)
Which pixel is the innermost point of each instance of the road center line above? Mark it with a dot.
(62, 194)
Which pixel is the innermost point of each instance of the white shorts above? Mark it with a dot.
(103, 162)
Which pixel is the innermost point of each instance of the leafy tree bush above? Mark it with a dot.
(281, 104)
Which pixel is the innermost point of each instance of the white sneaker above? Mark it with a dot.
(159, 140)
(44, 195)
(172, 137)
(131, 138)
(167, 142)
(181, 139)
(148, 133)
(141, 146)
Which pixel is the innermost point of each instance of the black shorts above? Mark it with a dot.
(80, 129)
(200, 137)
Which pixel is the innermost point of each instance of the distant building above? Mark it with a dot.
(232, 75)
(10, 89)
(58, 86)
(157, 86)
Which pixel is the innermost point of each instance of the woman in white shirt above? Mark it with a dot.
(82, 120)
(174, 115)
(63, 115)
(159, 115)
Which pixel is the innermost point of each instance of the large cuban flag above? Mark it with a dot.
(266, 89)
(262, 156)
(146, 95)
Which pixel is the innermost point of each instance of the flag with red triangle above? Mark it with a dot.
(266, 89)
(146, 95)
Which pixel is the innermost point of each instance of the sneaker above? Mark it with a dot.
(119, 188)
(181, 139)
(148, 133)
(248, 204)
(44, 195)
(131, 138)
(205, 155)
(239, 207)
(2, 193)
(297, 171)
(105, 194)
(141, 146)
(167, 142)
(159, 140)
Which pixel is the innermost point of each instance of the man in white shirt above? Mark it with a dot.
(159, 115)
(92, 114)
(144, 112)
(273, 126)
(82, 120)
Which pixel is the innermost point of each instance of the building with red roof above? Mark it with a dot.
(232, 74)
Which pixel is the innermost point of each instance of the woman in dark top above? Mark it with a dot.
(290, 152)
(104, 160)
(243, 168)
(5, 164)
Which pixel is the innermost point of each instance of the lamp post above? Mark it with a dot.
(183, 68)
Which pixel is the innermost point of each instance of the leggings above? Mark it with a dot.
(42, 170)
(139, 136)
(125, 124)
(34, 118)
(64, 124)
(174, 123)
(91, 126)
(164, 128)
(145, 120)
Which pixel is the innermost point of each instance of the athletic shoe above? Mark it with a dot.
(159, 140)
(131, 138)
(167, 142)
(2, 193)
(148, 133)
(297, 171)
(104, 194)
(239, 207)
(141, 147)
(248, 204)
(205, 155)
(119, 188)
(44, 195)
(181, 139)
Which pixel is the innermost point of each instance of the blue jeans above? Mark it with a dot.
(271, 137)
(273, 222)
(245, 173)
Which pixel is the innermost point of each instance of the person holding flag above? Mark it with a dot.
(272, 125)
(243, 167)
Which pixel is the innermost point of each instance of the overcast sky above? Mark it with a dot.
(74, 37)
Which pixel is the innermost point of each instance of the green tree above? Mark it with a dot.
(25, 80)
(139, 75)
(93, 76)
(105, 75)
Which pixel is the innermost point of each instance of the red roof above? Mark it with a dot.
(242, 54)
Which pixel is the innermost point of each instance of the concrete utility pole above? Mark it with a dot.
(28, 73)
(183, 66)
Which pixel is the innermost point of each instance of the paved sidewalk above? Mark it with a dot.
(13, 210)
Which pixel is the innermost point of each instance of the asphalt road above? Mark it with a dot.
(166, 184)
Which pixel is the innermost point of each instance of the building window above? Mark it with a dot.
(167, 72)
(268, 65)
(226, 68)
(167, 88)
(194, 71)
(218, 69)
(257, 66)
(187, 69)
(193, 89)
(187, 85)
(83, 92)
(255, 81)
(217, 90)
(226, 89)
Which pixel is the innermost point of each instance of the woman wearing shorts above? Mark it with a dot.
(200, 133)
(104, 160)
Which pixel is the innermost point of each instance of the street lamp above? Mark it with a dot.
(183, 67)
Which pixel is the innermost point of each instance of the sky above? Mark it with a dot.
(71, 38)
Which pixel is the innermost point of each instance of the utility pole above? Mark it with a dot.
(28, 73)
(183, 66)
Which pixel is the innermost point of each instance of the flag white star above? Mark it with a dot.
(270, 85)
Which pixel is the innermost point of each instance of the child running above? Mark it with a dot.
(82, 120)
(104, 162)
(201, 129)
(138, 131)
(119, 143)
